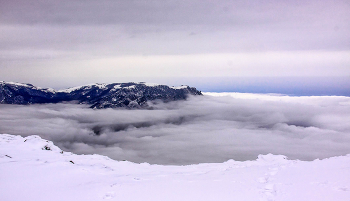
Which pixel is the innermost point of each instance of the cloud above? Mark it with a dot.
(202, 129)
(42, 40)
(148, 26)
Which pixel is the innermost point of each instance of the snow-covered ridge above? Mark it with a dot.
(15, 83)
(29, 86)
(88, 86)
(149, 84)
(180, 87)
(41, 171)
(104, 86)
(115, 95)
(155, 84)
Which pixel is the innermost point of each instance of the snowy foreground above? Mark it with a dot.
(34, 169)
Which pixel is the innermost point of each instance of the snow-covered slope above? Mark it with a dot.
(34, 169)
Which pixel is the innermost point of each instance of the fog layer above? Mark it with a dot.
(211, 128)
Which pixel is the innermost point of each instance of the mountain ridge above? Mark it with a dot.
(115, 95)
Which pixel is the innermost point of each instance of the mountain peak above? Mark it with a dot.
(115, 95)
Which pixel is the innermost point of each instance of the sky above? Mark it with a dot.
(203, 129)
(206, 44)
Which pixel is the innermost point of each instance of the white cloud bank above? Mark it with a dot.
(202, 129)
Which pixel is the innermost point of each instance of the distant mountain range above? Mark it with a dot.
(116, 95)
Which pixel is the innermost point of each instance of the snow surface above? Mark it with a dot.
(130, 87)
(32, 168)
(117, 86)
(27, 85)
(88, 86)
(15, 83)
(149, 84)
(69, 90)
(180, 87)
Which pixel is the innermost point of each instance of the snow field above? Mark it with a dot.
(34, 169)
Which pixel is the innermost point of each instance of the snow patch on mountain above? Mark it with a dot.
(180, 87)
(15, 83)
(88, 86)
(149, 84)
(130, 87)
(117, 86)
(28, 86)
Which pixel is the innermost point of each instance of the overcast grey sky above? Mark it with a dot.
(57, 43)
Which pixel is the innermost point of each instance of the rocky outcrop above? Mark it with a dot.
(116, 95)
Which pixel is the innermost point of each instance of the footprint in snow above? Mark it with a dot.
(270, 189)
(262, 180)
(109, 195)
(341, 189)
(273, 171)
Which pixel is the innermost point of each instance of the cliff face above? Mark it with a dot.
(128, 95)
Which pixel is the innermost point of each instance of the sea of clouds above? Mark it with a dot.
(210, 128)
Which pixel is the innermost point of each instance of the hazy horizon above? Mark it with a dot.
(293, 86)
